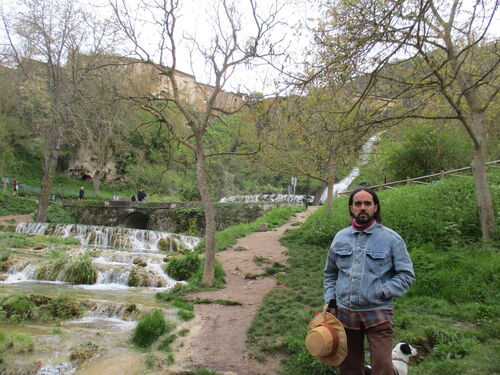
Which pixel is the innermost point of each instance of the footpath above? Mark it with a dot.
(217, 336)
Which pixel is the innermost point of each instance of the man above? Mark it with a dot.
(81, 193)
(367, 266)
(141, 195)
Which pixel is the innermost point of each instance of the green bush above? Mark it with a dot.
(59, 214)
(81, 271)
(182, 268)
(149, 329)
(63, 307)
(17, 307)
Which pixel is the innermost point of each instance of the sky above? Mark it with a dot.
(192, 22)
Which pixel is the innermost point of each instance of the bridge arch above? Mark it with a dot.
(135, 220)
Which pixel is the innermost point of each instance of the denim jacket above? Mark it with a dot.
(365, 269)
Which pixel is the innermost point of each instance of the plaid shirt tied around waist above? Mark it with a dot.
(371, 318)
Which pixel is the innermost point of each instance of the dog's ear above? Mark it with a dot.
(405, 348)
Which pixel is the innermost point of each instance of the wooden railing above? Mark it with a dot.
(418, 179)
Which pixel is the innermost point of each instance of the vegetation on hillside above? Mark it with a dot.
(451, 312)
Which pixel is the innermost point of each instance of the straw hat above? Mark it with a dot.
(326, 339)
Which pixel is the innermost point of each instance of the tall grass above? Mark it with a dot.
(149, 329)
(451, 313)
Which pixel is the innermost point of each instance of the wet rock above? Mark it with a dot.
(83, 353)
(139, 276)
(172, 243)
(139, 262)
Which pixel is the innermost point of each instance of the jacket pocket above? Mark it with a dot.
(343, 258)
(377, 261)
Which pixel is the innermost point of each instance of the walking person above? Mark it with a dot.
(141, 195)
(367, 265)
(81, 193)
(15, 187)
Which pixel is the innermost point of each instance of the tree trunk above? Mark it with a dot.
(96, 182)
(486, 215)
(208, 209)
(49, 167)
(330, 181)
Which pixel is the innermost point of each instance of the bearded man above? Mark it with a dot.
(367, 265)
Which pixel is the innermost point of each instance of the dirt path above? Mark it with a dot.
(217, 337)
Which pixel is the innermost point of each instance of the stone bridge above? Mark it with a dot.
(175, 217)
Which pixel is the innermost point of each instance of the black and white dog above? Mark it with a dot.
(400, 357)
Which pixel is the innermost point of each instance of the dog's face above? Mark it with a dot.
(404, 350)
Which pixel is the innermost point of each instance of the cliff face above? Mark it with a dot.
(87, 165)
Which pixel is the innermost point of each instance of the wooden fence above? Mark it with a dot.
(440, 175)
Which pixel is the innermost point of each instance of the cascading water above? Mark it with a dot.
(338, 188)
(344, 184)
(121, 257)
(112, 304)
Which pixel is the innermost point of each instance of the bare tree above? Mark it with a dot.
(414, 54)
(43, 37)
(188, 112)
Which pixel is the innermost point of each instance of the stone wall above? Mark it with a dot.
(176, 217)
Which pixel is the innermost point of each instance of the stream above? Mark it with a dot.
(112, 306)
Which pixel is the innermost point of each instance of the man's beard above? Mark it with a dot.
(363, 218)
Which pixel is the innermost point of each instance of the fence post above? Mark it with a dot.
(407, 180)
(442, 175)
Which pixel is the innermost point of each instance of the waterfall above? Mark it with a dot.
(121, 257)
(344, 184)
(101, 236)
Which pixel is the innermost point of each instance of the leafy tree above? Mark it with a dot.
(414, 54)
(43, 37)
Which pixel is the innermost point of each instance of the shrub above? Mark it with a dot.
(149, 329)
(17, 307)
(182, 268)
(59, 214)
(81, 271)
(64, 308)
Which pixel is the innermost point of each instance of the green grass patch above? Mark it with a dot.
(16, 205)
(149, 329)
(19, 308)
(25, 241)
(15, 343)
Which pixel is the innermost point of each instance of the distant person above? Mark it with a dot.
(15, 187)
(132, 198)
(141, 195)
(367, 266)
(81, 193)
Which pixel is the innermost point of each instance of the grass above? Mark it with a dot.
(451, 313)
(15, 343)
(149, 329)
(23, 241)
